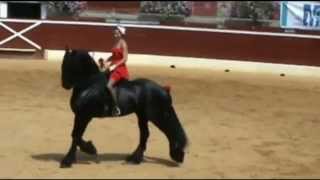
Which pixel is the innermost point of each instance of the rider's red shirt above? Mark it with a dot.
(120, 72)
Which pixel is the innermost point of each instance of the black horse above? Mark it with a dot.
(145, 98)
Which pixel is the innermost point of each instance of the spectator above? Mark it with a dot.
(166, 7)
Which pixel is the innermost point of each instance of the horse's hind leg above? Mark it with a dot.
(137, 156)
(80, 124)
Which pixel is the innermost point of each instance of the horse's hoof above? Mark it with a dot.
(65, 164)
(67, 161)
(134, 159)
(89, 148)
(97, 161)
(134, 162)
(177, 156)
(62, 165)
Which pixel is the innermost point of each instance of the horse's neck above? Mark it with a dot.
(91, 74)
(90, 79)
(92, 71)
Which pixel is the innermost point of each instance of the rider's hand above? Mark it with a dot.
(101, 63)
(107, 65)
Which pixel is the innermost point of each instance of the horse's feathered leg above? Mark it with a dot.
(137, 156)
(79, 127)
(70, 157)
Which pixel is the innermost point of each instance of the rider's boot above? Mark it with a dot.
(115, 107)
(116, 110)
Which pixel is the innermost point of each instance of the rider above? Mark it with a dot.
(118, 60)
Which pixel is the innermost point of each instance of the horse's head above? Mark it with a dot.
(76, 65)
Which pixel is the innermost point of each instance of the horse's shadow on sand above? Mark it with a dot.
(83, 158)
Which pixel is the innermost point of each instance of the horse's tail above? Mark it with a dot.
(179, 140)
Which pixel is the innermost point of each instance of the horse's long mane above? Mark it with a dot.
(77, 65)
(88, 63)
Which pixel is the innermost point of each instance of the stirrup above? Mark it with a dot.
(116, 111)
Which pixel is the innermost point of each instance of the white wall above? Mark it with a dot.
(3, 10)
(43, 10)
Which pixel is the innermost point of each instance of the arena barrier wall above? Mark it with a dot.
(202, 45)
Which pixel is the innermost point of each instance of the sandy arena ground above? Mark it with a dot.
(240, 125)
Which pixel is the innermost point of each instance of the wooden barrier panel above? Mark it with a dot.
(168, 40)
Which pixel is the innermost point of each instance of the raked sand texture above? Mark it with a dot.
(240, 125)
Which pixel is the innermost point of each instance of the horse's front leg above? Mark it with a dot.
(137, 156)
(80, 124)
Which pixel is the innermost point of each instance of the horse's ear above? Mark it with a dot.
(68, 50)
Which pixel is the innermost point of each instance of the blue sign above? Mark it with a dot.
(300, 14)
(311, 15)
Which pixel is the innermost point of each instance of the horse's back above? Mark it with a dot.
(153, 97)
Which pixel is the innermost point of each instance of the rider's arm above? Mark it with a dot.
(107, 62)
(104, 63)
